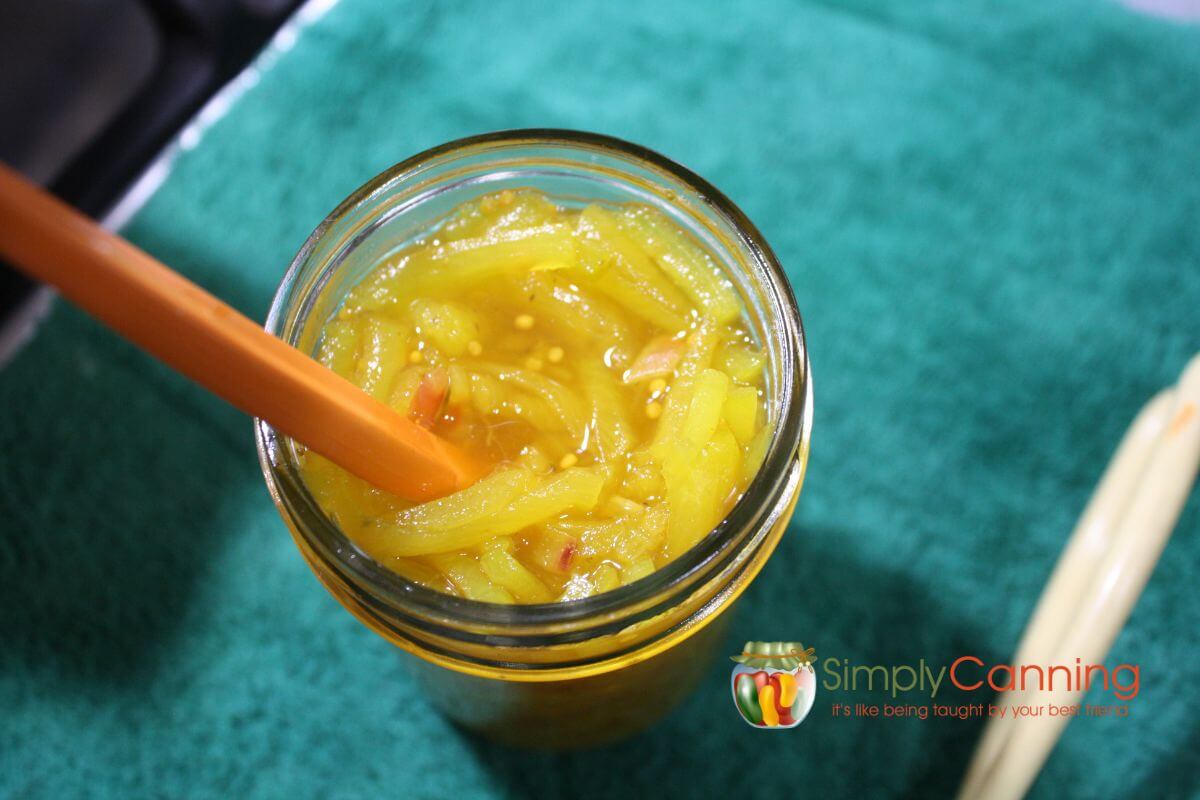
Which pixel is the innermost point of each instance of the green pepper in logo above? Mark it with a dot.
(746, 692)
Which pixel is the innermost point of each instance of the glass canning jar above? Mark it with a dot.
(585, 671)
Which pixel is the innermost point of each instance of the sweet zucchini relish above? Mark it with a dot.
(596, 357)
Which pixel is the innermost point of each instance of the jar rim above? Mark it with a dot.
(447, 614)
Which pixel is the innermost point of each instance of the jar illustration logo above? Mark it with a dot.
(773, 684)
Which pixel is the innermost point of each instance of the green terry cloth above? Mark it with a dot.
(990, 212)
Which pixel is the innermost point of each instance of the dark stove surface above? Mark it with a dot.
(92, 90)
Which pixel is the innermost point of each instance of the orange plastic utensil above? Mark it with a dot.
(222, 350)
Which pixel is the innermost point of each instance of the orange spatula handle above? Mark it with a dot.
(219, 348)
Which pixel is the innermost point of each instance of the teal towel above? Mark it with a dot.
(990, 212)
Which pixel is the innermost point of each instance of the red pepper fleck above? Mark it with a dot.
(430, 397)
(564, 560)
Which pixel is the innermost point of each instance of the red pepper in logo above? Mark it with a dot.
(785, 694)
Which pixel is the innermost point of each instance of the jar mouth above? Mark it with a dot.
(445, 614)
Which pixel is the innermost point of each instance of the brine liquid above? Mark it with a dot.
(596, 357)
